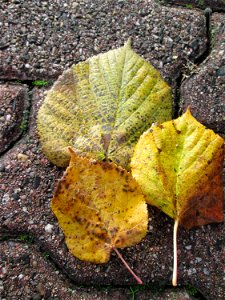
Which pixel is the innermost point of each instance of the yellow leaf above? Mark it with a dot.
(178, 165)
(101, 106)
(99, 207)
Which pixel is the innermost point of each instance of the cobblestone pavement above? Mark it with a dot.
(38, 40)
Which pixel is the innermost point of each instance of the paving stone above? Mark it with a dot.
(14, 104)
(26, 273)
(39, 39)
(215, 5)
(168, 294)
(201, 251)
(204, 91)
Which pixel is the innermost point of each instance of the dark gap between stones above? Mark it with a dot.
(205, 54)
(177, 97)
(194, 6)
(177, 94)
(31, 84)
(26, 114)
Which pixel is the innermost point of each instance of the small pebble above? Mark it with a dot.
(206, 271)
(8, 117)
(2, 168)
(221, 71)
(198, 259)
(36, 182)
(36, 296)
(191, 271)
(15, 196)
(20, 276)
(34, 263)
(188, 247)
(48, 228)
(22, 157)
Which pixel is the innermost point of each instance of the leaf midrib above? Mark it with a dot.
(118, 101)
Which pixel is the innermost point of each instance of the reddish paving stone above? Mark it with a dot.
(215, 5)
(204, 91)
(27, 274)
(26, 188)
(39, 39)
(14, 103)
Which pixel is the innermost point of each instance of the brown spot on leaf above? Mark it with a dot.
(105, 140)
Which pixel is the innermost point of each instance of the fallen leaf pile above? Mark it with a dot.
(95, 115)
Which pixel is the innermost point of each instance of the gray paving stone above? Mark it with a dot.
(215, 5)
(204, 91)
(26, 208)
(14, 104)
(39, 39)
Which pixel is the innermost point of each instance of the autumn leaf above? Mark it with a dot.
(178, 165)
(101, 106)
(100, 207)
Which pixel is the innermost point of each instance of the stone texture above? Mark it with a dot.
(215, 5)
(39, 39)
(168, 294)
(14, 104)
(204, 91)
(26, 208)
(26, 273)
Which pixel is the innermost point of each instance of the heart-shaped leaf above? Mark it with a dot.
(100, 207)
(179, 166)
(100, 107)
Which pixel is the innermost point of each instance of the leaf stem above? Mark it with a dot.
(139, 281)
(174, 280)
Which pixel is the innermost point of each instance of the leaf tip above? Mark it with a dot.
(188, 111)
(128, 43)
(70, 150)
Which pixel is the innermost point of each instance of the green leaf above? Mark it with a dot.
(101, 106)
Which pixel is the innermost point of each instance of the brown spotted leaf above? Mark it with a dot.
(99, 207)
(101, 106)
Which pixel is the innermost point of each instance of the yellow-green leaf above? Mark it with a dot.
(101, 106)
(99, 207)
(178, 165)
